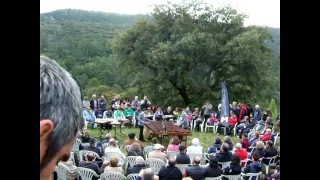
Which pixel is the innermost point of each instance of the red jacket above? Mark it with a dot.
(243, 154)
(245, 143)
(233, 121)
(265, 137)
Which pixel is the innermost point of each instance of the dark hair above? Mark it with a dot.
(175, 140)
(245, 135)
(172, 162)
(182, 147)
(255, 156)
(217, 141)
(270, 143)
(235, 159)
(225, 147)
(154, 140)
(213, 162)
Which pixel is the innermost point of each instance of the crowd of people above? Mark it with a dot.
(62, 116)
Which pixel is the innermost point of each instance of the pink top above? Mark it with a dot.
(173, 147)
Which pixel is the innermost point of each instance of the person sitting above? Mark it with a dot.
(156, 153)
(213, 120)
(242, 153)
(195, 148)
(227, 140)
(245, 141)
(213, 170)
(113, 147)
(107, 139)
(114, 166)
(129, 113)
(72, 173)
(147, 174)
(90, 164)
(234, 168)
(242, 124)
(88, 115)
(119, 116)
(174, 144)
(257, 128)
(182, 157)
(158, 115)
(93, 148)
(270, 151)
(274, 172)
(253, 167)
(217, 144)
(168, 111)
(86, 136)
(131, 139)
(224, 155)
(195, 171)
(267, 135)
(135, 150)
(136, 168)
(171, 172)
(259, 149)
(98, 113)
(254, 139)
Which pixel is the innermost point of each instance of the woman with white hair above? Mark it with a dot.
(136, 168)
(195, 148)
(243, 154)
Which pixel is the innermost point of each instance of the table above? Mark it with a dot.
(115, 128)
(101, 122)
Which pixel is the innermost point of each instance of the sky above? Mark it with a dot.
(260, 12)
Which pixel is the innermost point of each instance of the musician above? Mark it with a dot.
(184, 119)
(158, 115)
(142, 119)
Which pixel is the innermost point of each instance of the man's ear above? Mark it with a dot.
(46, 126)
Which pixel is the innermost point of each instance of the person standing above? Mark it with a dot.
(142, 119)
(207, 108)
(103, 103)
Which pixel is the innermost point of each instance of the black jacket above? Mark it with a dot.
(213, 171)
(170, 173)
(224, 156)
(233, 169)
(183, 158)
(195, 172)
(135, 169)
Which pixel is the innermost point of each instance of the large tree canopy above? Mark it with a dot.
(182, 55)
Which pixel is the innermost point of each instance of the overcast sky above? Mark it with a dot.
(260, 12)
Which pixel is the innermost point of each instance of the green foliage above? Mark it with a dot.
(99, 90)
(183, 54)
(274, 109)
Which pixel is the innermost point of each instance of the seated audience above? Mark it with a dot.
(267, 135)
(213, 170)
(93, 147)
(270, 151)
(245, 141)
(174, 144)
(135, 150)
(114, 166)
(171, 172)
(224, 155)
(195, 171)
(113, 147)
(227, 140)
(156, 153)
(195, 148)
(140, 164)
(242, 153)
(182, 157)
(217, 144)
(90, 164)
(234, 168)
(253, 167)
(147, 174)
(131, 139)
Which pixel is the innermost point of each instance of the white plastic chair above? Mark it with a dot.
(245, 163)
(108, 155)
(251, 175)
(235, 129)
(276, 138)
(129, 160)
(155, 164)
(272, 161)
(146, 150)
(224, 130)
(127, 148)
(112, 176)
(132, 176)
(62, 170)
(213, 178)
(232, 177)
(83, 152)
(225, 164)
(194, 125)
(182, 167)
(214, 127)
(172, 154)
(86, 173)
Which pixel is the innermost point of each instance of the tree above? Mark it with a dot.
(183, 53)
